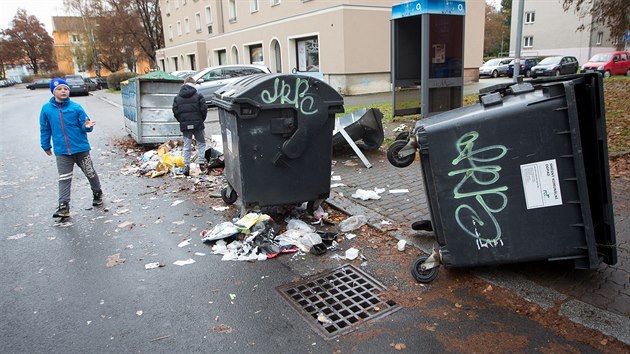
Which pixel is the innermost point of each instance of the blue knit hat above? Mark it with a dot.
(58, 82)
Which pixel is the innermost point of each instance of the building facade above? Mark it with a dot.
(68, 35)
(549, 30)
(346, 43)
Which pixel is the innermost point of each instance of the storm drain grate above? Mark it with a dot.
(337, 301)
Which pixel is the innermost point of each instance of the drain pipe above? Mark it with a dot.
(519, 35)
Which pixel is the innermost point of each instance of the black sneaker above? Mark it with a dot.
(98, 198)
(187, 171)
(63, 211)
(203, 168)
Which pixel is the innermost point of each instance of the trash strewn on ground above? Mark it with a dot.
(368, 194)
(168, 160)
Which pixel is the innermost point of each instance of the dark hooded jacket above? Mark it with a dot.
(189, 108)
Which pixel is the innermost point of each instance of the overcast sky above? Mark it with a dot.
(44, 10)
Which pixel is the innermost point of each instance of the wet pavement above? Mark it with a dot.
(83, 287)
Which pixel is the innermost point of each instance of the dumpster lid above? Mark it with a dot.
(276, 90)
(157, 76)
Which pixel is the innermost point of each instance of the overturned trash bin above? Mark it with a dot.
(277, 139)
(364, 126)
(521, 176)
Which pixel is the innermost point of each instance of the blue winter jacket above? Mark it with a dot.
(65, 123)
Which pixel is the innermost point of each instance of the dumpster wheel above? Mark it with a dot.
(423, 275)
(402, 136)
(394, 159)
(228, 195)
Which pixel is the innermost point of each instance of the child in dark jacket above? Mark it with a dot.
(67, 124)
(190, 110)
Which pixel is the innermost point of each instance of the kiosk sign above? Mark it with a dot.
(418, 7)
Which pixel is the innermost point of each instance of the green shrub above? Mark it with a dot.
(114, 80)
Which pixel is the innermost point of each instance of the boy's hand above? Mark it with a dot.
(48, 152)
(89, 123)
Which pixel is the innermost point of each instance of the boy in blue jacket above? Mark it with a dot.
(67, 124)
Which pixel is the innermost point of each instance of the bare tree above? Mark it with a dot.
(612, 14)
(30, 41)
(142, 21)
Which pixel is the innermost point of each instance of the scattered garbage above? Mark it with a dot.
(401, 245)
(221, 231)
(184, 262)
(352, 253)
(352, 223)
(368, 194)
(153, 265)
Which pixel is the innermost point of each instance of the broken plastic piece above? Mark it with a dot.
(221, 231)
(352, 223)
(352, 253)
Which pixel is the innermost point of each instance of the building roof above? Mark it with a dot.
(67, 23)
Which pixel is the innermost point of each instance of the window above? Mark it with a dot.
(232, 11)
(168, 8)
(275, 2)
(170, 32)
(528, 42)
(600, 38)
(175, 63)
(187, 25)
(624, 56)
(256, 54)
(179, 28)
(76, 38)
(253, 5)
(208, 15)
(177, 4)
(222, 56)
(191, 62)
(530, 17)
(198, 22)
(308, 54)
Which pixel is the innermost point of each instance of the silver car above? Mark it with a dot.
(495, 67)
(213, 78)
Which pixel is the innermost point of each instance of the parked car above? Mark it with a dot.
(77, 87)
(39, 83)
(184, 73)
(495, 67)
(213, 78)
(614, 63)
(72, 76)
(526, 67)
(101, 82)
(555, 66)
(91, 85)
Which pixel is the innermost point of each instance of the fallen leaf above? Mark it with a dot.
(222, 328)
(400, 346)
(114, 260)
(459, 306)
(604, 341)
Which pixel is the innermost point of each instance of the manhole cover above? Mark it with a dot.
(337, 301)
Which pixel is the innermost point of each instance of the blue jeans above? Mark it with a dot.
(201, 146)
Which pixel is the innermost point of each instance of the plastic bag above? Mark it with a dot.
(352, 223)
(296, 224)
(169, 160)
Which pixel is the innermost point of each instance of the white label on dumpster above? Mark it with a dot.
(228, 137)
(541, 185)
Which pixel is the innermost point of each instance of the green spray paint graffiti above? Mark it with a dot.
(478, 180)
(296, 95)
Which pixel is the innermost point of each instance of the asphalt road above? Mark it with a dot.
(57, 294)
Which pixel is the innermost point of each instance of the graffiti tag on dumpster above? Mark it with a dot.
(295, 93)
(478, 190)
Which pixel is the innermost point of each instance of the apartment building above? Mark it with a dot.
(344, 42)
(549, 30)
(68, 34)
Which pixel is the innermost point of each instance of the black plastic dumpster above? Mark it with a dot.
(521, 176)
(277, 139)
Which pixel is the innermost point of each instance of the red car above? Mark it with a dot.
(614, 63)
